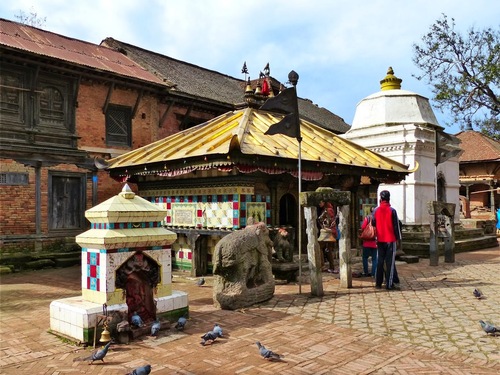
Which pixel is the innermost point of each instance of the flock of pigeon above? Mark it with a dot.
(207, 338)
(487, 327)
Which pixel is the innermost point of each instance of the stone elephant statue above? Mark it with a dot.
(242, 268)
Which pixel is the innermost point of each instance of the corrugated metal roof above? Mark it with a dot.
(244, 130)
(478, 147)
(55, 46)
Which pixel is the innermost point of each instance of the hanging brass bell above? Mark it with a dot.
(105, 335)
(326, 235)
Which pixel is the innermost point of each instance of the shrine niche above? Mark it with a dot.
(138, 277)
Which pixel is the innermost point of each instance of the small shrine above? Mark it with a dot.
(126, 268)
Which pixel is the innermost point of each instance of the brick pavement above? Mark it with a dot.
(429, 327)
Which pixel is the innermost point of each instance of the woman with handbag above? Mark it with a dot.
(369, 244)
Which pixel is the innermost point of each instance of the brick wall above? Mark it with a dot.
(17, 215)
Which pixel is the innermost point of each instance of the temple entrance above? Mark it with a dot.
(138, 277)
(288, 211)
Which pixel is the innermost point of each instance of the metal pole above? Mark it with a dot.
(300, 219)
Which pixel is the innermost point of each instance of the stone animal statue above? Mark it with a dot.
(281, 245)
(242, 268)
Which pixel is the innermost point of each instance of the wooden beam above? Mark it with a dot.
(166, 113)
(186, 117)
(139, 97)
(77, 90)
(108, 97)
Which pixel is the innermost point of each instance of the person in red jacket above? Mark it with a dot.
(385, 219)
(369, 248)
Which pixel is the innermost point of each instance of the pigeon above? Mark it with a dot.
(136, 320)
(489, 328)
(98, 355)
(201, 281)
(217, 329)
(143, 370)
(181, 323)
(268, 354)
(155, 327)
(209, 336)
(477, 293)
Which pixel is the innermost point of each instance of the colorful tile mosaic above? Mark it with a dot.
(93, 271)
(151, 224)
(218, 211)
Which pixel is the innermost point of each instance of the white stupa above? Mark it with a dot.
(401, 125)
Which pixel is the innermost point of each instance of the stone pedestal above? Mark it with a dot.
(442, 227)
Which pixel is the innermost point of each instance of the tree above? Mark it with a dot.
(464, 73)
(31, 19)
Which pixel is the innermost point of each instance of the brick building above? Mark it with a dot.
(479, 174)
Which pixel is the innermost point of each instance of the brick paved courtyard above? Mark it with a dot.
(429, 327)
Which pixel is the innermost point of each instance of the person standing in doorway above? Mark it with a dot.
(385, 219)
(326, 221)
(369, 248)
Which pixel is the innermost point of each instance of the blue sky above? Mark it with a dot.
(340, 49)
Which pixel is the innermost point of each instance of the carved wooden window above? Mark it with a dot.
(52, 109)
(119, 125)
(66, 201)
(12, 95)
(54, 113)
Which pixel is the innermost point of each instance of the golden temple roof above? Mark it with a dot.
(241, 132)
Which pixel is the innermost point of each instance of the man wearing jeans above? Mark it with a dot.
(385, 219)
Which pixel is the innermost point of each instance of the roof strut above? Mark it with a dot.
(108, 97)
(139, 97)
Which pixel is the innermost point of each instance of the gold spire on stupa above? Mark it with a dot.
(390, 81)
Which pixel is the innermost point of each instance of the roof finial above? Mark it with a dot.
(127, 192)
(244, 70)
(390, 81)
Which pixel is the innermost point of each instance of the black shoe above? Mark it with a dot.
(378, 286)
(394, 287)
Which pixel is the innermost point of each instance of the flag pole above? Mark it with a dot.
(293, 77)
(300, 217)
(287, 102)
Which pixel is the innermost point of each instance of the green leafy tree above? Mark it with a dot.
(464, 72)
(31, 18)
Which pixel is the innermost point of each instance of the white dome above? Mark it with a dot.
(393, 107)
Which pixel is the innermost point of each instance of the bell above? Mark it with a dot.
(325, 235)
(105, 336)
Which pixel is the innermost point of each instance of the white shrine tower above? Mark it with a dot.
(401, 125)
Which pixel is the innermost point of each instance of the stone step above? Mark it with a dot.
(421, 249)
(459, 235)
(67, 262)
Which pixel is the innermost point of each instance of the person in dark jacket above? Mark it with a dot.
(385, 219)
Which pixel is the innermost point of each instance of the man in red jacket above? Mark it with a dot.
(385, 219)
